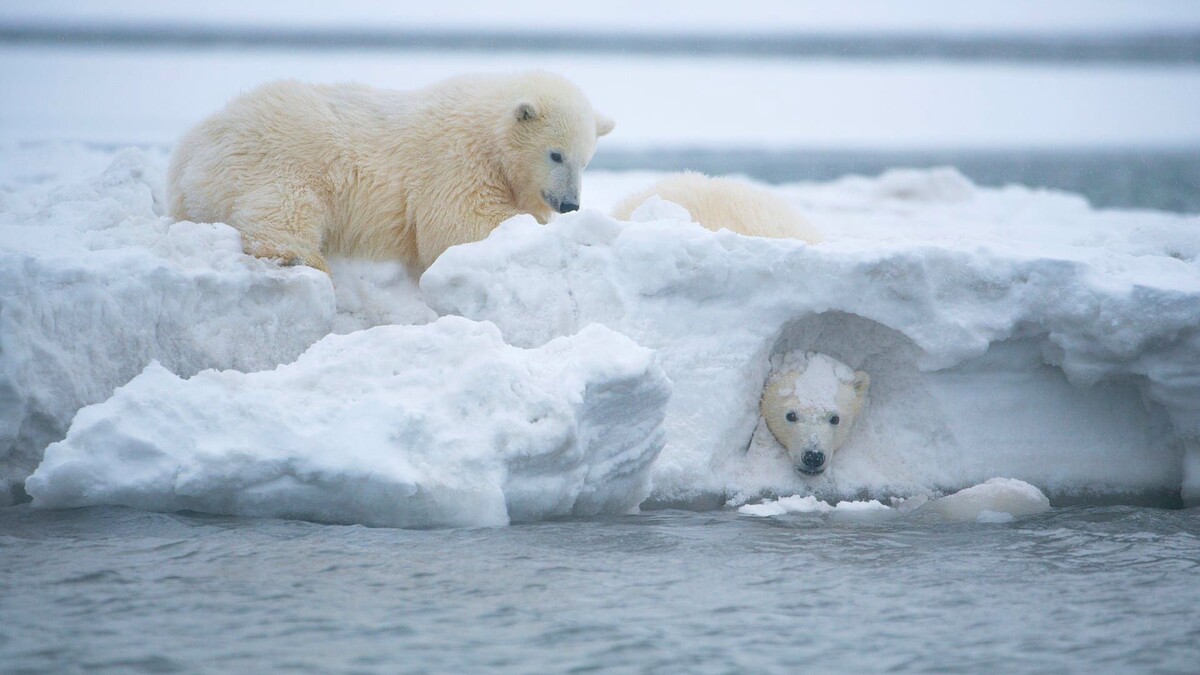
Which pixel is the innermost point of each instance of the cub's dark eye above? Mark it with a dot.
(835, 419)
(791, 417)
(556, 157)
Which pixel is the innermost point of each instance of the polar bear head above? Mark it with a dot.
(810, 403)
(551, 136)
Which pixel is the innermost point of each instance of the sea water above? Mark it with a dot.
(1082, 588)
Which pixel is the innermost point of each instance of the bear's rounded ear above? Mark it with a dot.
(526, 111)
(604, 125)
(862, 382)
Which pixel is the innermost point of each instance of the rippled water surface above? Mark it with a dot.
(1109, 589)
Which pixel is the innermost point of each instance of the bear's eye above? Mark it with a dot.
(835, 419)
(791, 416)
(556, 157)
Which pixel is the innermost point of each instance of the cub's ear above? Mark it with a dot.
(526, 111)
(862, 382)
(604, 125)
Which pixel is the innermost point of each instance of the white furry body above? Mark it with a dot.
(718, 203)
(305, 170)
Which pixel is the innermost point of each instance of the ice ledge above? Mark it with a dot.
(1075, 368)
(436, 425)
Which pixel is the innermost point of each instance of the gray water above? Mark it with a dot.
(1170, 46)
(1099, 589)
(1166, 180)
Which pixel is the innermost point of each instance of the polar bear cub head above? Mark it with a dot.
(551, 138)
(810, 403)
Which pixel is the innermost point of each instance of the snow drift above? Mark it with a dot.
(94, 284)
(419, 426)
(1006, 332)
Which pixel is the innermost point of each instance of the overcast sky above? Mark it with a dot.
(667, 16)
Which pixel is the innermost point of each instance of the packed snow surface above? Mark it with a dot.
(809, 504)
(441, 424)
(94, 284)
(1007, 332)
(998, 500)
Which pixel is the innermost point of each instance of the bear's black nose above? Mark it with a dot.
(812, 459)
(567, 207)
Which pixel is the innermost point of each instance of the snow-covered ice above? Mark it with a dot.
(94, 283)
(997, 500)
(1007, 332)
(409, 426)
(810, 504)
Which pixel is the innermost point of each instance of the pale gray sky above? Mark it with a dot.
(666, 16)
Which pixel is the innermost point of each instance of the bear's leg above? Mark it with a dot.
(283, 222)
(435, 234)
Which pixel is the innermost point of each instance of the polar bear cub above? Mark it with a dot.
(725, 203)
(810, 403)
(304, 170)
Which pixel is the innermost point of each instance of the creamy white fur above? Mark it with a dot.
(718, 203)
(305, 170)
(815, 388)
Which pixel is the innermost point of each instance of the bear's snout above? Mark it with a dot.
(566, 204)
(812, 462)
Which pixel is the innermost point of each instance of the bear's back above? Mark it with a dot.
(724, 203)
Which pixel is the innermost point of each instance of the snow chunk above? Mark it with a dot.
(810, 504)
(435, 425)
(657, 208)
(94, 284)
(819, 381)
(999, 500)
(376, 293)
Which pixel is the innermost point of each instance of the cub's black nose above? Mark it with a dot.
(812, 460)
(567, 207)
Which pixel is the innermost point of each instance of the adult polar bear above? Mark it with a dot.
(305, 170)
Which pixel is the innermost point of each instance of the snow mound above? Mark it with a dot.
(1006, 332)
(95, 283)
(996, 501)
(442, 424)
(657, 208)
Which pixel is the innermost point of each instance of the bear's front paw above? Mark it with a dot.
(317, 263)
(287, 257)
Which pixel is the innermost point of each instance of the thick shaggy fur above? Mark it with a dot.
(810, 403)
(305, 170)
(718, 203)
